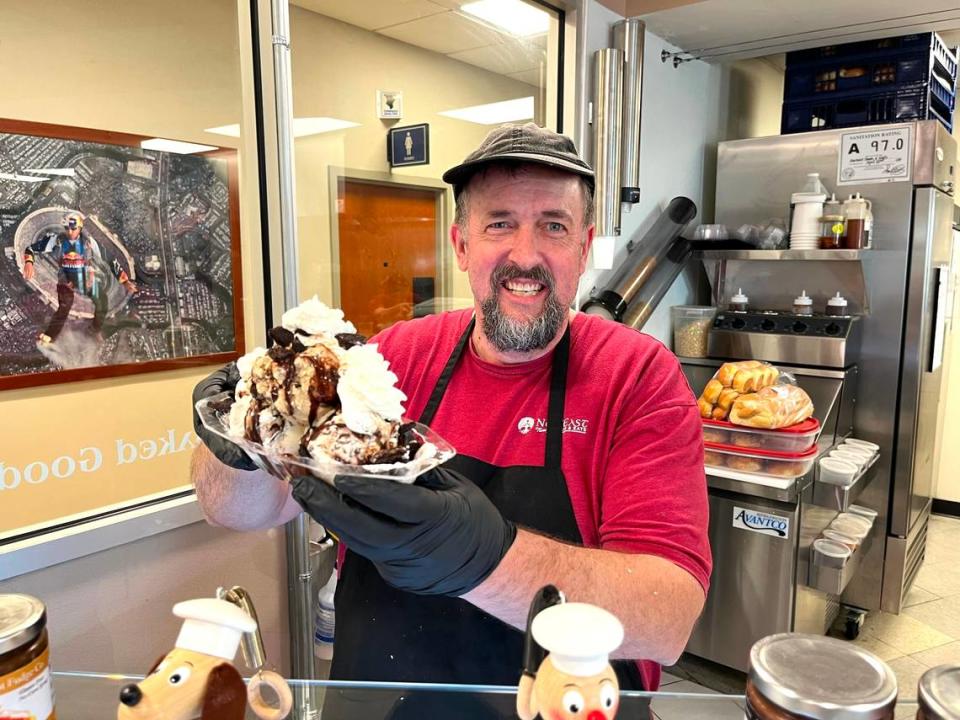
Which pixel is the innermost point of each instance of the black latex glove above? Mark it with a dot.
(440, 536)
(226, 378)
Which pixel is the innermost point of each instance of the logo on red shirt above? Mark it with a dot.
(570, 425)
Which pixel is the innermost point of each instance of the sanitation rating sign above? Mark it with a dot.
(877, 156)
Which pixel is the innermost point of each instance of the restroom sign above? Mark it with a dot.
(877, 156)
(409, 145)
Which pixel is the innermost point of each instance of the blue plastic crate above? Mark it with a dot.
(882, 47)
(859, 107)
(840, 75)
(874, 81)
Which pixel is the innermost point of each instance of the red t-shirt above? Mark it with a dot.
(632, 439)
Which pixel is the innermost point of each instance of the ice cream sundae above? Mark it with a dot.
(320, 391)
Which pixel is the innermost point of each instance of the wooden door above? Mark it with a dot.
(388, 252)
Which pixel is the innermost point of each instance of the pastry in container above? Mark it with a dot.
(715, 435)
(756, 462)
(714, 459)
(795, 439)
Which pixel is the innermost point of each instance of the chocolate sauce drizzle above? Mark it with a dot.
(322, 393)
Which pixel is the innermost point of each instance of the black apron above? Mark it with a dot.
(385, 634)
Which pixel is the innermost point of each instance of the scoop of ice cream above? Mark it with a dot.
(245, 363)
(298, 385)
(336, 441)
(367, 390)
(287, 440)
(238, 415)
(315, 320)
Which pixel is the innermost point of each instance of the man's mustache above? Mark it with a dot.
(512, 271)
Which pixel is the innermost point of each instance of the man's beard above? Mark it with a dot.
(521, 335)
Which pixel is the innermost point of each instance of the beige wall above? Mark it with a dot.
(324, 84)
(755, 98)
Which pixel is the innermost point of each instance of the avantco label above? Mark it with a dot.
(761, 522)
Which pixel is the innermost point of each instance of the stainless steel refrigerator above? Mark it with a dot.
(899, 286)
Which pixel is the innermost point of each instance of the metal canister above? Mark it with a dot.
(25, 684)
(810, 676)
(938, 694)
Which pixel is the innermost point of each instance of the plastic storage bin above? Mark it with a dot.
(691, 328)
(867, 107)
(912, 77)
(776, 464)
(794, 439)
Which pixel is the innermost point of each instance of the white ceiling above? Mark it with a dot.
(735, 29)
(439, 26)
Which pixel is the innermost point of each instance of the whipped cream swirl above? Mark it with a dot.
(367, 390)
(316, 320)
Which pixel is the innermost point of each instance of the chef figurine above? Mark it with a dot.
(197, 680)
(575, 680)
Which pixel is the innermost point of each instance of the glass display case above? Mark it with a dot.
(91, 696)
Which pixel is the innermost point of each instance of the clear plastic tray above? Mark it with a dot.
(784, 465)
(435, 451)
(795, 439)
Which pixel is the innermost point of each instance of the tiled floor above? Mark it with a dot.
(927, 631)
(925, 634)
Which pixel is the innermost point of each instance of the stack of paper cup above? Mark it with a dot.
(805, 223)
(804, 242)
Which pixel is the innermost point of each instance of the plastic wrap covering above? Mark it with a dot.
(644, 262)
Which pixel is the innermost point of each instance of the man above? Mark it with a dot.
(79, 259)
(582, 434)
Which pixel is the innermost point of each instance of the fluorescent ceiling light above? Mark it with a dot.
(228, 130)
(66, 172)
(495, 113)
(514, 16)
(175, 146)
(314, 125)
(301, 126)
(22, 178)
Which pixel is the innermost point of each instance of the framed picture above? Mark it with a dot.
(116, 259)
(389, 104)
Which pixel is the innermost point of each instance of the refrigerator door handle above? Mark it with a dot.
(939, 325)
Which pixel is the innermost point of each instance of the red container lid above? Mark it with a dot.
(811, 424)
(769, 454)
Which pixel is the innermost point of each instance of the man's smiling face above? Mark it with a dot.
(524, 246)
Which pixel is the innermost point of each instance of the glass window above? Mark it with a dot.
(440, 74)
(121, 252)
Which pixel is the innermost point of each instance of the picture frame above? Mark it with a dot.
(152, 281)
(389, 104)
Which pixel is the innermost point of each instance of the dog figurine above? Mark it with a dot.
(185, 685)
(197, 680)
(575, 681)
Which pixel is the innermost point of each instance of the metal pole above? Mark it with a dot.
(628, 36)
(299, 576)
(608, 104)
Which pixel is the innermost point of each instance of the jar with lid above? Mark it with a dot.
(832, 230)
(859, 214)
(803, 304)
(739, 302)
(793, 676)
(938, 694)
(25, 683)
(837, 305)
